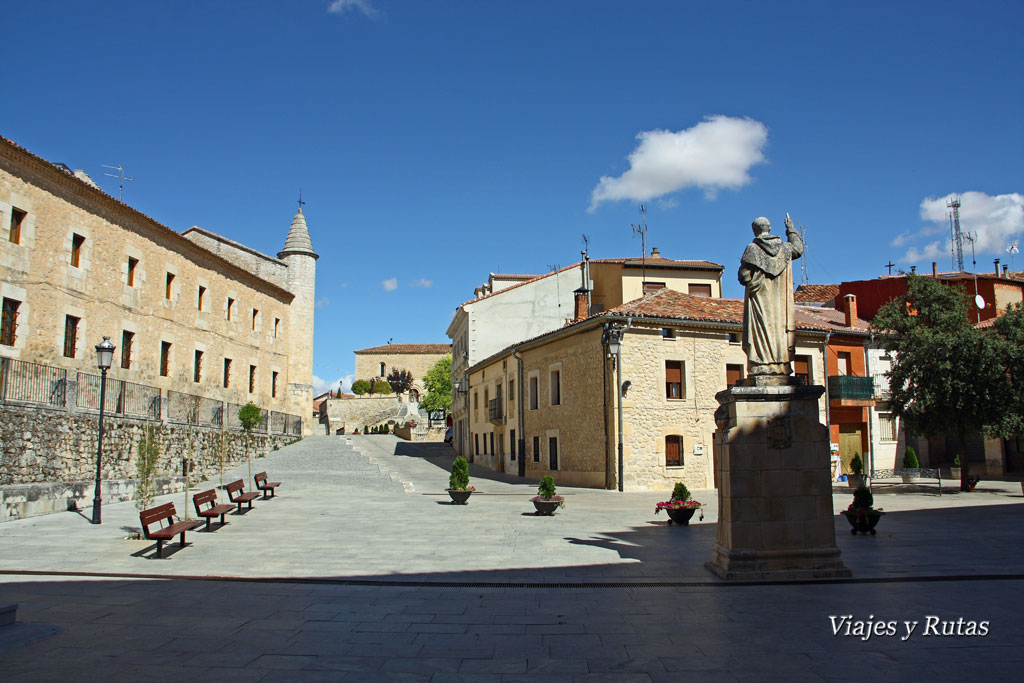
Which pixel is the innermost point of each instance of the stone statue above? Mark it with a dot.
(768, 321)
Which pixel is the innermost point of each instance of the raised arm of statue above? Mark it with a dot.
(796, 242)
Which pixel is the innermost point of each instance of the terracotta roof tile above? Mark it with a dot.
(408, 348)
(659, 261)
(816, 293)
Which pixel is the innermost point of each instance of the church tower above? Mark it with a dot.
(300, 258)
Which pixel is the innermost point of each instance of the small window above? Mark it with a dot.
(802, 368)
(493, 452)
(231, 308)
(652, 287)
(168, 290)
(273, 385)
(844, 363)
(733, 374)
(734, 338)
(476, 404)
(252, 378)
(511, 390)
(673, 451)
(126, 348)
(76, 249)
(9, 322)
(255, 318)
(197, 367)
(132, 265)
(536, 449)
(476, 444)
(70, 335)
(165, 359)
(698, 290)
(556, 388)
(533, 393)
(383, 370)
(674, 379)
(886, 427)
(553, 452)
(199, 297)
(277, 327)
(668, 333)
(17, 218)
(512, 442)
(227, 373)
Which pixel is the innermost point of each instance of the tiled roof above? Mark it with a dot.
(659, 261)
(815, 293)
(513, 276)
(830, 318)
(408, 348)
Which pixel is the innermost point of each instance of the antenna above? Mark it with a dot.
(803, 262)
(586, 270)
(1011, 249)
(979, 302)
(552, 267)
(642, 231)
(958, 237)
(121, 176)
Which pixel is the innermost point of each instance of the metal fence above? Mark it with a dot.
(193, 409)
(122, 397)
(25, 382)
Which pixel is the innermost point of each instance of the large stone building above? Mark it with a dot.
(193, 312)
(378, 361)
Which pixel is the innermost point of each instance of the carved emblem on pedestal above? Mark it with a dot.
(780, 432)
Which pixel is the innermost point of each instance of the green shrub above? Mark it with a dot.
(381, 387)
(546, 488)
(459, 479)
(910, 460)
(862, 497)
(956, 460)
(680, 492)
(360, 387)
(856, 465)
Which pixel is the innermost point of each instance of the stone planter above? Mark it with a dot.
(954, 473)
(460, 496)
(680, 515)
(863, 522)
(547, 507)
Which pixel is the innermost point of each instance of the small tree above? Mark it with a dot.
(147, 455)
(381, 387)
(438, 383)
(360, 387)
(250, 416)
(459, 479)
(910, 460)
(680, 492)
(400, 380)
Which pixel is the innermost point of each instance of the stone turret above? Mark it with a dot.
(298, 254)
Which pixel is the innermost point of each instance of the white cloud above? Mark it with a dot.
(390, 285)
(422, 282)
(321, 385)
(343, 6)
(715, 154)
(901, 239)
(995, 220)
(668, 204)
(323, 302)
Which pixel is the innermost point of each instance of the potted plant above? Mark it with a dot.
(954, 471)
(856, 478)
(862, 514)
(546, 501)
(458, 483)
(910, 462)
(680, 507)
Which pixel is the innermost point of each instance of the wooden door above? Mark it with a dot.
(849, 446)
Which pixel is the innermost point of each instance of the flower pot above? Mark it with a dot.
(854, 480)
(864, 522)
(680, 515)
(954, 473)
(460, 496)
(546, 507)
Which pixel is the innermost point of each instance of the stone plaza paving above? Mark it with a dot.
(360, 569)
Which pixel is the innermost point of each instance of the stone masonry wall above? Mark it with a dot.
(357, 413)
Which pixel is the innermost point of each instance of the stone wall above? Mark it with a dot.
(357, 413)
(368, 365)
(48, 458)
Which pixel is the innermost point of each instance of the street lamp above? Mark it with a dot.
(104, 358)
(613, 340)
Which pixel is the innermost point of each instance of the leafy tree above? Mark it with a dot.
(360, 387)
(381, 387)
(949, 378)
(145, 466)
(250, 416)
(400, 380)
(438, 383)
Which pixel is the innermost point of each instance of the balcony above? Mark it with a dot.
(494, 412)
(845, 390)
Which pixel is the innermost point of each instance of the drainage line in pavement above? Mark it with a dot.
(514, 584)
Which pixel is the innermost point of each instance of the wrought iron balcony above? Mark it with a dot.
(847, 388)
(494, 413)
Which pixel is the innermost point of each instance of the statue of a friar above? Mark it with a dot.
(768, 323)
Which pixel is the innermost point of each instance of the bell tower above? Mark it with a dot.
(300, 258)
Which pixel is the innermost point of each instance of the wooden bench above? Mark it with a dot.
(237, 494)
(210, 498)
(167, 532)
(263, 485)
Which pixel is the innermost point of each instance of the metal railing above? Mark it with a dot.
(122, 397)
(494, 412)
(25, 382)
(851, 388)
(192, 409)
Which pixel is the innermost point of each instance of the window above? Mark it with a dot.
(533, 393)
(197, 367)
(199, 297)
(511, 390)
(383, 369)
(493, 452)
(168, 289)
(132, 265)
(512, 442)
(802, 368)
(698, 290)
(76, 249)
(70, 335)
(886, 427)
(734, 338)
(674, 379)
(126, 348)
(653, 287)
(231, 307)
(255, 317)
(227, 373)
(668, 333)
(733, 374)
(673, 450)
(553, 452)
(476, 444)
(277, 326)
(536, 449)
(252, 378)
(17, 218)
(165, 359)
(556, 387)
(476, 404)
(844, 363)
(273, 385)
(9, 322)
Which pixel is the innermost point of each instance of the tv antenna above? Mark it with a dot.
(979, 301)
(805, 279)
(1011, 249)
(642, 231)
(120, 176)
(956, 235)
(585, 267)
(553, 267)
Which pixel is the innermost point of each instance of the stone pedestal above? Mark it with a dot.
(775, 518)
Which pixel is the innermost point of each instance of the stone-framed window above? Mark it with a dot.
(733, 374)
(127, 339)
(273, 384)
(9, 322)
(17, 218)
(512, 442)
(668, 333)
(536, 449)
(169, 286)
(277, 327)
(252, 378)
(534, 391)
(197, 367)
(553, 452)
(165, 359)
(230, 308)
(675, 384)
(77, 242)
(255, 318)
(227, 373)
(476, 444)
(674, 450)
(133, 264)
(556, 387)
(200, 295)
(70, 335)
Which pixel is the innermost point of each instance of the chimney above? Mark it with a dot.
(913, 269)
(580, 307)
(851, 309)
(655, 253)
(935, 269)
(997, 267)
(1005, 269)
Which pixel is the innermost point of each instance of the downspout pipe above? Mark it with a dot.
(520, 418)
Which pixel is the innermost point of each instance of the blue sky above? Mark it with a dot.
(435, 142)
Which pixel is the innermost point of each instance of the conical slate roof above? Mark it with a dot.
(298, 241)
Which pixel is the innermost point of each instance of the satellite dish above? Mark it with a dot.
(979, 301)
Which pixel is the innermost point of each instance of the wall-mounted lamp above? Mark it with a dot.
(625, 387)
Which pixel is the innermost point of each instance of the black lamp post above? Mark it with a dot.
(104, 357)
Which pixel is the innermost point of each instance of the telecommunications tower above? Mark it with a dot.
(957, 236)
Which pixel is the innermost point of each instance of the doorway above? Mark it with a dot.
(850, 445)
